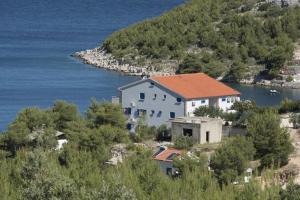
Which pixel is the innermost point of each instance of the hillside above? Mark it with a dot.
(234, 39)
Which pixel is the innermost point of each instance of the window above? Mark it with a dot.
(152, 113)
(178, 100)
(203, 101)
(207, 136)
(142, 96)
(142, 112)
(193, 104)
(151, 85)
(127, 111)
(159, 113)
(223, 99)
(129, 126)
(172, 115)
(228, 100)
(169, 171)
(165, 96)
(188, 132)
(155, 95)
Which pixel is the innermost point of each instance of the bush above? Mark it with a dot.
(230, 160)
(292, 192)
(183, 142)
(289, 106)
(101, 113)
(272, 143)
(244, 106)
(163, 133)
(208, 111)
(64, 113)
(289, 79)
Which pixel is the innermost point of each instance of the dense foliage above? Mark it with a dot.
(272, 143)
(266, 140)
(31, 168)
(292, 192)
(213, 36)
(289, 106)
(231, 159)
(243, 110)
(208, 111)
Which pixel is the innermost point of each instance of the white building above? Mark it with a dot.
(163, 98)
(201, 129)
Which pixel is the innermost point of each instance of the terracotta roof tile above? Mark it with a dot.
(164, 155)
(194, 86)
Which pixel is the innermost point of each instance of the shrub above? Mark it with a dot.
(289, 79)
(183, 142)
(230, 160)
(292, 192)
(272, 143)
(163, 133)
(289, 106)
(208, 111)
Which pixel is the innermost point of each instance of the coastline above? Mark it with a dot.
(101, 59)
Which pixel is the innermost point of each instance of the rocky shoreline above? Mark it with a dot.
(272, 83)
(101, 59)
(98, 57)
(279, 84)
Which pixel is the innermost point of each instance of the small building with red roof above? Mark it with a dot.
(163, 98)
(165, 157)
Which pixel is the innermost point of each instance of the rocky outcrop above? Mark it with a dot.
(100, 58)
(279, 83)
(284, 2)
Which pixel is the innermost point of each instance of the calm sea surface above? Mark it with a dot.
(37, 38)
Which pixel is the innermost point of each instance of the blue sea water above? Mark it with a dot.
(37, 38)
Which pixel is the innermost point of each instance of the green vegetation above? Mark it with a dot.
(232, 158)
(208, 111)
(292, 192)
(272, 143)
(218, 37)
(289, 106)
(266, 140)
(31, 168)
(239, 118)
(183, 142)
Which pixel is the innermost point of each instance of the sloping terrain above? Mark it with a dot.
(234, 39)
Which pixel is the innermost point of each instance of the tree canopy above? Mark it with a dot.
(31, 168)
(218, 37)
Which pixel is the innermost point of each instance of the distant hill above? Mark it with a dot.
(234, 39)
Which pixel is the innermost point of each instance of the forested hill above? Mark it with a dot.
(231, 38)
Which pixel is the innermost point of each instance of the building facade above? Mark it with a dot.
(202, 130)
(161, 99)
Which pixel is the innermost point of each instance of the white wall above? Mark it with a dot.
(229, 101)
(224, 105)
(169, 104)
(197, 102)
(215, 131)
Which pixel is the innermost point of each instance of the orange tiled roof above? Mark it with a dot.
(163, 156)
(193, 86)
